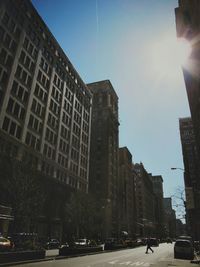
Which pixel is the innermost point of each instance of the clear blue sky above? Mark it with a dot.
(131, 43)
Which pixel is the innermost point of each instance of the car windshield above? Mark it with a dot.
(183, 244)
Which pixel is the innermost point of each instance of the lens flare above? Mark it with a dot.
(183, 51)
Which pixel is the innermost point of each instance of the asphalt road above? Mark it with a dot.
(120, 258)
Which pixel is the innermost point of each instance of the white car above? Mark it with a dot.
(183, 249)
(81, 242)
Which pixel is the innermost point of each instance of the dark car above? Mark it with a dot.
(169, 240)
(154, 242)
(183, 249)
(53, 244)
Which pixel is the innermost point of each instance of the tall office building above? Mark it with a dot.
(170, 217)
(188, 27)
(127, 205)
(145, 202)
(157, 182)
(45, 107)
(191, 175)
(103, 175)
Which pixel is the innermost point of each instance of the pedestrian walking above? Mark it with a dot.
(149, 246)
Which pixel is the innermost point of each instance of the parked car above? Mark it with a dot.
(53, 244)
(130, 242)
(154, 242)
(138, 242)
(82, 242)
(114, 243)
(183, 249)
(5, 244)
(169, 240)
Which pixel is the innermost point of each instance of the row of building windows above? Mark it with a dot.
(83, 173)
(83, 161)
(74, 155)
(65, 133)
(15, 109)
(74, 168)
(85, 127)
(32, 141)
(85, 138)
(75, 142)
(62, 160)
(37, 108)
(78, 106)
(20, 92)
(64, 146)
(26, 61)
(50, 136)
(40, 93)
(42, 78)
(29, 47)
(7, 41)
(84, 150)
(58, 82)
(86, 116)
(11, 25)
(12, 127)
(54, 107)
(69, 95)
(45, 66)
(52, 121)
(67, 106)
(77, 118)
(5, 58)
(66, 119)
(47, 54)
(56, 94)
(23, 76)
(33, 36)
(76, 129)
(3, 77)
(49, 152)
(35, 124)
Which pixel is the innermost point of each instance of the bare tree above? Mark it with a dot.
(178, 201)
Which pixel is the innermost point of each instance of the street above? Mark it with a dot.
(162, 256)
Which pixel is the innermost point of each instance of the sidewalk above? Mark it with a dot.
(179, 262)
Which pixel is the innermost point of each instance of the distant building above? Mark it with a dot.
(157, 181)
(188, 27)
(127, 208)
(169, 217)
(45, 107)
(191, 176)
(145, 202)
(103, 175)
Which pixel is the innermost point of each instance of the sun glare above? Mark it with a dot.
(167, 55)
(183, 51)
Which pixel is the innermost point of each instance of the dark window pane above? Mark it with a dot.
(20, 92)
(10, 105)
(6, 123)
(18, 132)
(12, 128)
(14, 87)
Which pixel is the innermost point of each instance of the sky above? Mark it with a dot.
(133, 44)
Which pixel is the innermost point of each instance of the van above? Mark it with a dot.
(183, 248)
